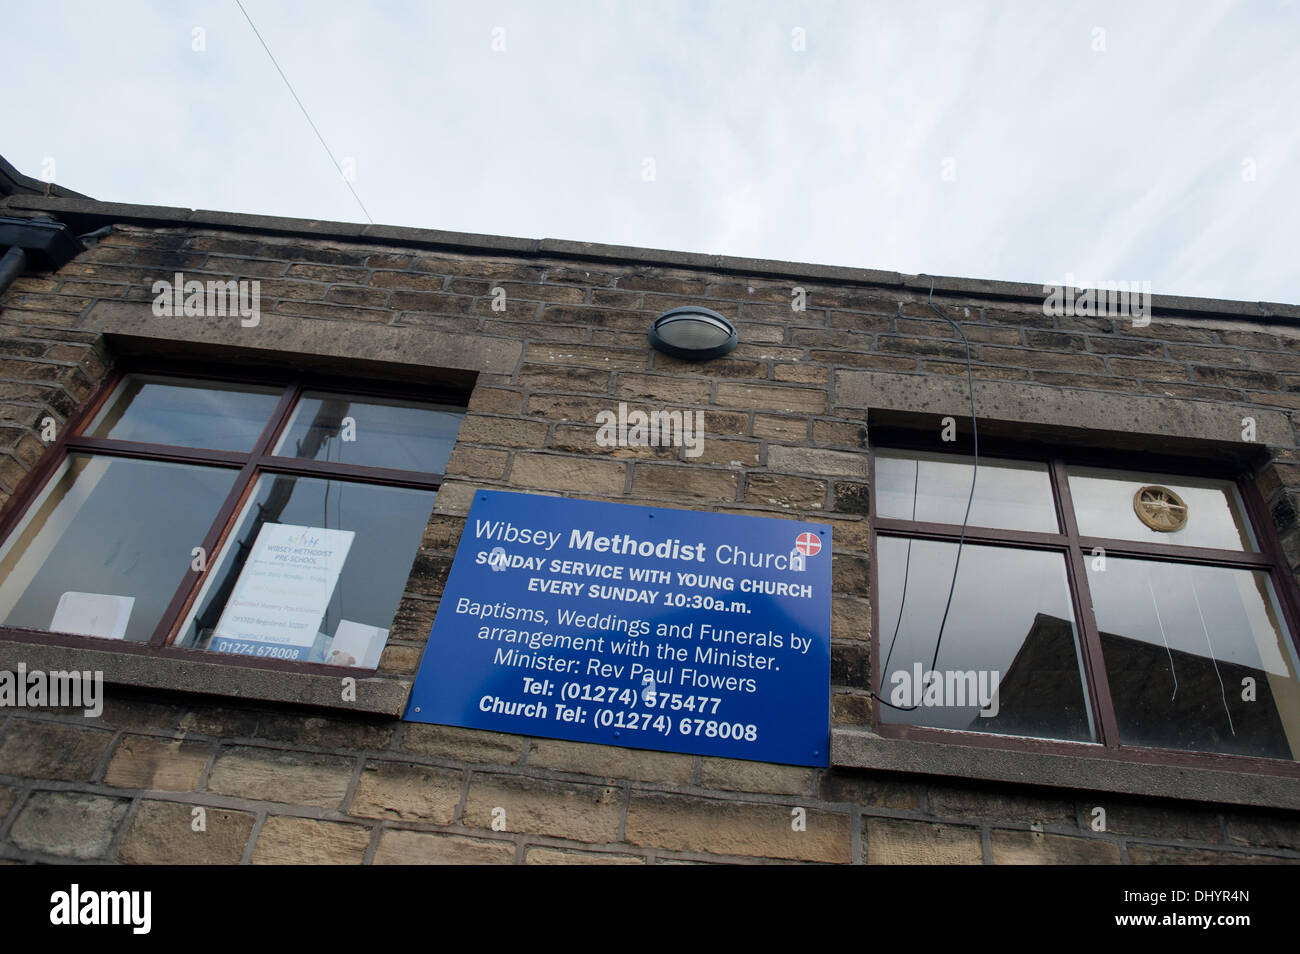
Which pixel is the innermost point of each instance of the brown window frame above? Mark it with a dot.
(250, 466)
(1076, 548)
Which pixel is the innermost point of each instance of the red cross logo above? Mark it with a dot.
(808, 544)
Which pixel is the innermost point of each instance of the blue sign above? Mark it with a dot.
(636, 626)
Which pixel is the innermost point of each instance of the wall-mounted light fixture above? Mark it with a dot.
(694, 334)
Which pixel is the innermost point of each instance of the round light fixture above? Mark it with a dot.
(694, 334)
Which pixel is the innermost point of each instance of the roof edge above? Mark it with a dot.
(13, 182)
(86, 213)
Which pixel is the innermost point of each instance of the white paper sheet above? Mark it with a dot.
(356, 644)
(93, 614)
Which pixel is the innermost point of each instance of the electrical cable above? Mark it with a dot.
(961, 542)
(902, 602)
(96, 235)
(1161, 623)
(1213, 658)
(304, 112)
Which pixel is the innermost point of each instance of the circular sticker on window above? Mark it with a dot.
(1160, 509)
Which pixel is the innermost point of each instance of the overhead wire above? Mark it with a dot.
(307, 115)
(961, 542)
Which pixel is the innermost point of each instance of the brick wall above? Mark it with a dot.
(282, 784)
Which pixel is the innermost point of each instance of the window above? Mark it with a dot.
(272, 521)
(1141, 613)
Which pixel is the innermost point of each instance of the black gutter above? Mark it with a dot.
(41, 243)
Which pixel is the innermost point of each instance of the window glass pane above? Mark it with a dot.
(104, 548)
(1197, 658)
(1019, 651)
(1105, 507)
(314, 571)
(212, 415)
(934, 488)
(371, 432)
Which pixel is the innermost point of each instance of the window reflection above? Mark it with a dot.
(933, 488)
(313, 572)
(371, 432)
(103, 550)
(1023, 642)
(207, 414)
(1197, 658)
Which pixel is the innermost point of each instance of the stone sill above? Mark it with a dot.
(382, 695)
(861, 748)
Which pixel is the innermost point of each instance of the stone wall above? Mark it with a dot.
(786, 416)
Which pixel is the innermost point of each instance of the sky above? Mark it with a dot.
(1043, 142)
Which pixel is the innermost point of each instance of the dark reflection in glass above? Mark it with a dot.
(207, 414)
(934, 488)
(371, 432)
(102, 551)
(1010, 637)
(350, 615)
(1197, 658)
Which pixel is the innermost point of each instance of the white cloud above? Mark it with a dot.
(1122, 164)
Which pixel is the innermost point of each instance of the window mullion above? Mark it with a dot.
(993, 536)
(1242, 559)
(1094, 665)
(193, 578)
(170, 453)
(279, 418)
(330, 470)
(189, 585)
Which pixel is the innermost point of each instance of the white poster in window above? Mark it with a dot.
(92, 614)
(277, 606)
